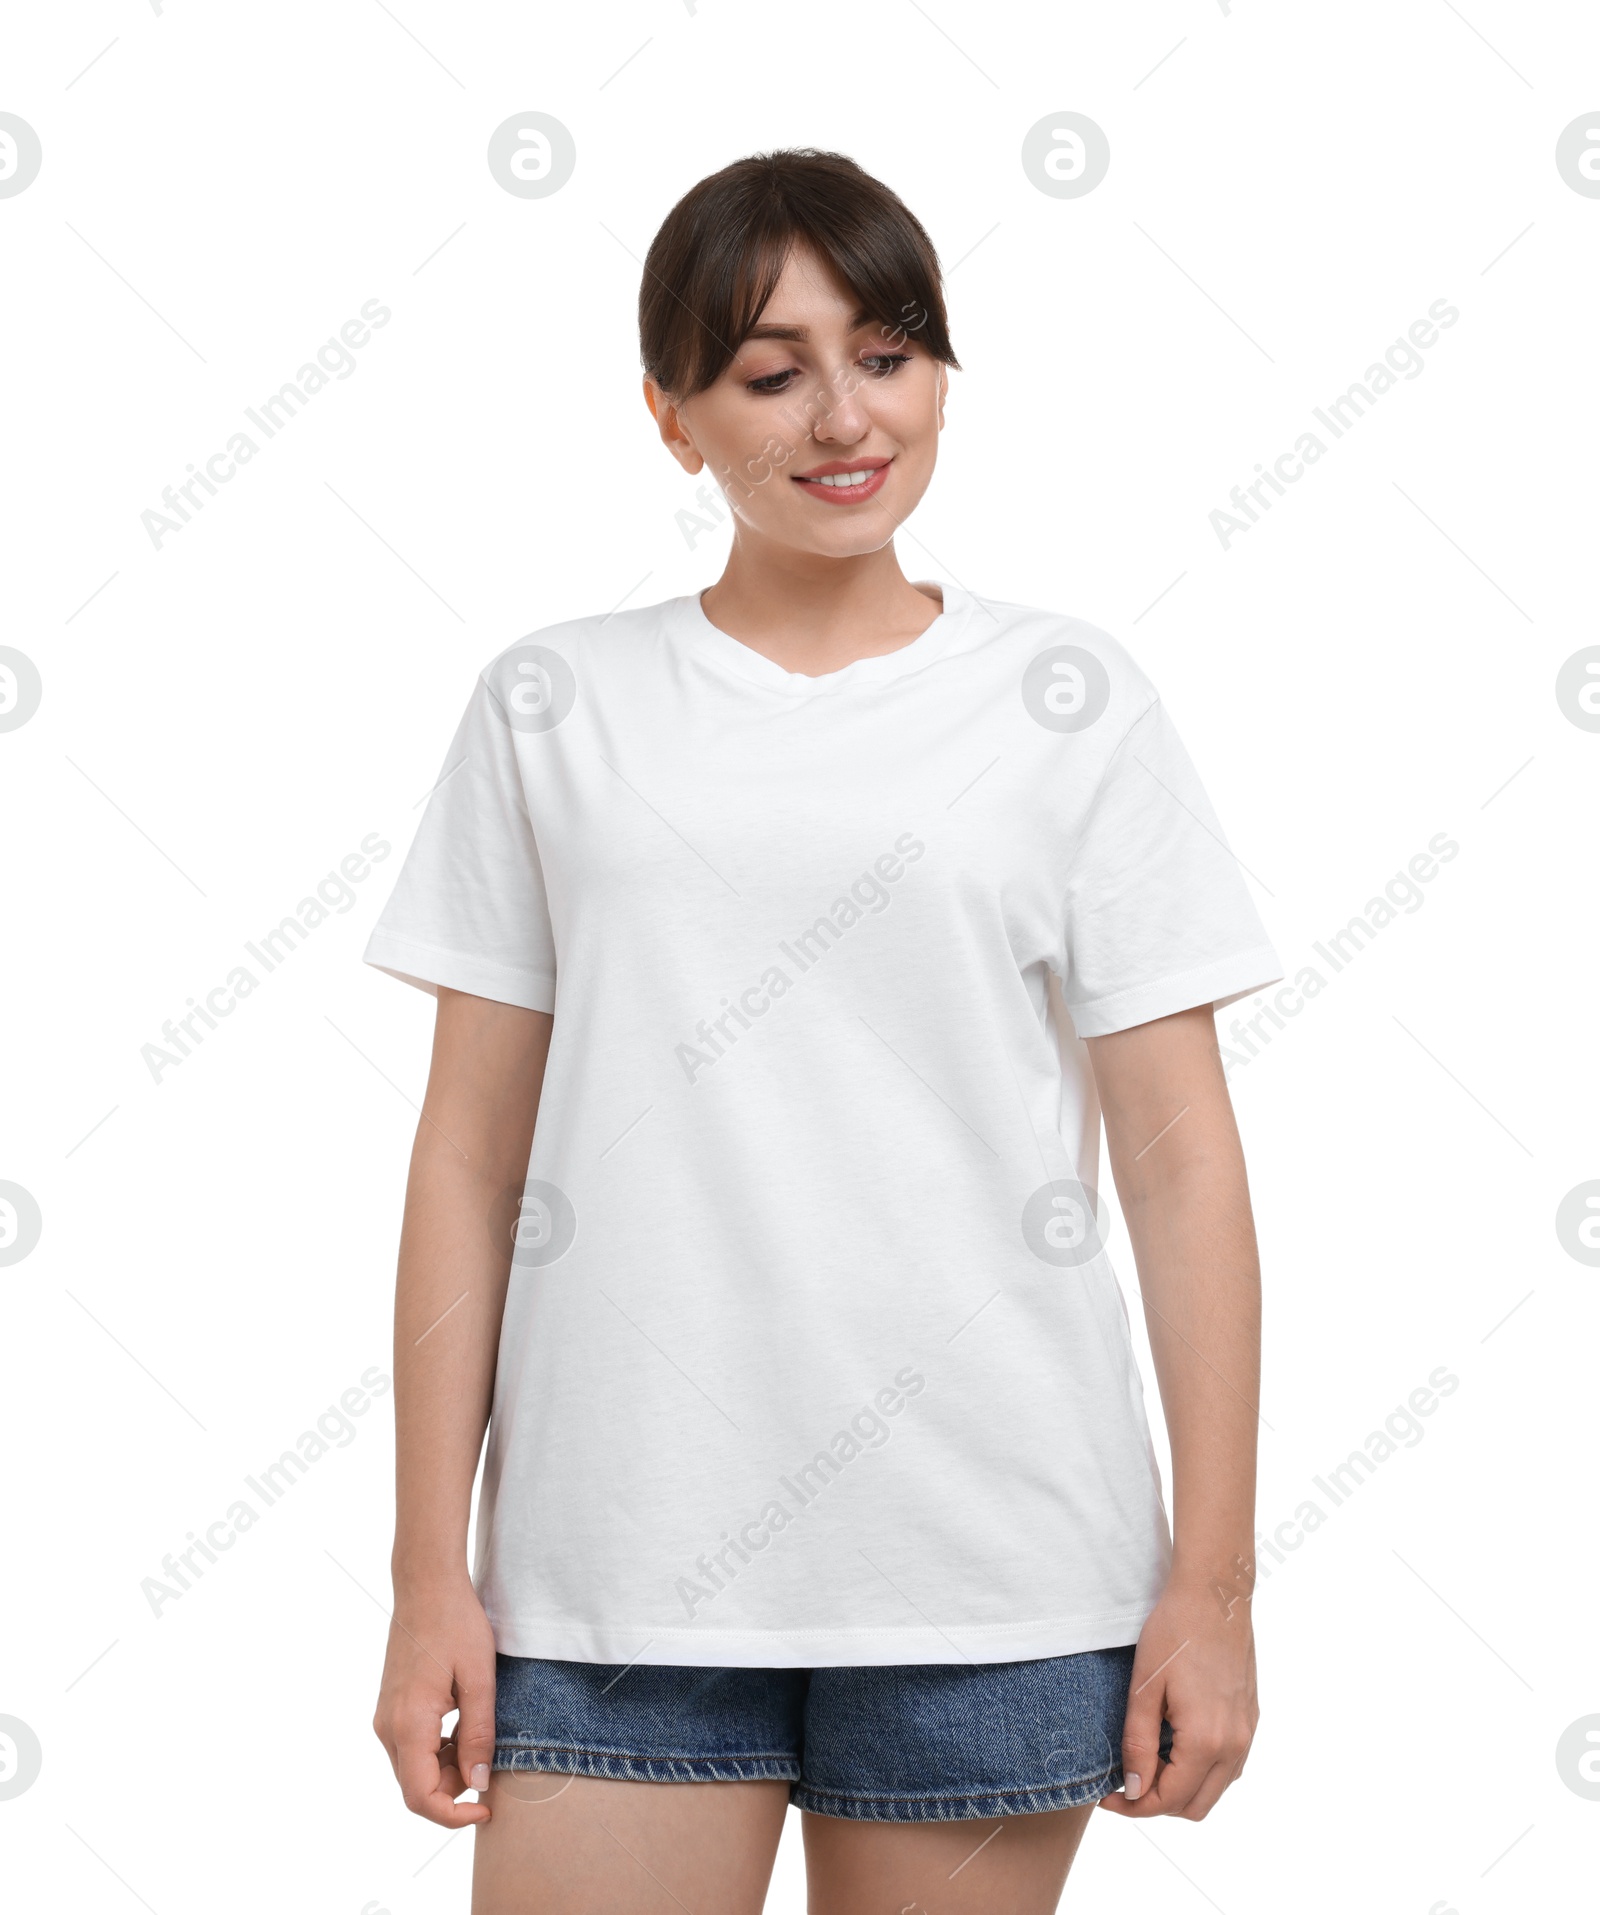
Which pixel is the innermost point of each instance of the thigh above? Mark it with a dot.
(584, 1845)
(1008, 1865)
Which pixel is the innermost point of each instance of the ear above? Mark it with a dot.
(669, 423)
(943, 391)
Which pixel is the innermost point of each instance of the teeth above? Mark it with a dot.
(844, 478)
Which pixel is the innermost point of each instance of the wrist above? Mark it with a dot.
(1225, 1576)
(422, 1573)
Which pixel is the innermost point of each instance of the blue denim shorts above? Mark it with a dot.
(911, 1742)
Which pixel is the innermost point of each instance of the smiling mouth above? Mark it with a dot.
(844, 485)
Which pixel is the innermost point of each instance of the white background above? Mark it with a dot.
(225, 718)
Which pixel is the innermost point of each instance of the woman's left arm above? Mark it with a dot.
(1179, 1170)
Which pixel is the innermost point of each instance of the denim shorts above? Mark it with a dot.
(910, 1742)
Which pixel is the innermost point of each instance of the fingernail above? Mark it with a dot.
(480, 1775)
(1131, 1786)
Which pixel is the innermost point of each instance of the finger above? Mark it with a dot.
(1182, 1779)
(450, 1781)
(1176, 1781)
(1151, 1799)
(1209, 1793)
(1141, 1739)
(475, 1729)
(453, 1772)
(424, 1781)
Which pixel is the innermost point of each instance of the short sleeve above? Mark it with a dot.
(1159, 918)
(468, 910)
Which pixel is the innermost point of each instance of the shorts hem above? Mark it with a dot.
(957, 1808)
(614, 1766)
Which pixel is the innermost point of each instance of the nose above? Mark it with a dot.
(845, 418)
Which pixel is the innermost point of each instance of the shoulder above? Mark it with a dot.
(585, 641)
(1058, 658)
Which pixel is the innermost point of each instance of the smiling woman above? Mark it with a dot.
(792, 304)
(888, 1178)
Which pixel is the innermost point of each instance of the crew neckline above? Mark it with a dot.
(722, 648)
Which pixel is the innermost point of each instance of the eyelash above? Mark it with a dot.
(884, 364)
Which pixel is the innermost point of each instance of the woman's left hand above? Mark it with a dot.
(1195, 1665)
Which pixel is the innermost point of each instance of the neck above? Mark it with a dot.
(813, 614)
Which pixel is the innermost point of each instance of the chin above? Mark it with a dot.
(854, 532)
(852, 542)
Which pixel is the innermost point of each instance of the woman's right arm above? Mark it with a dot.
(471, 1149)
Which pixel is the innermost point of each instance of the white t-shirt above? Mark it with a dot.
(811, 1354)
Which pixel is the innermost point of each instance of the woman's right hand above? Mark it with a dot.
(440, 1657)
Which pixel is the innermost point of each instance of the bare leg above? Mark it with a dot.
(578, 1845)
(1012, 1865)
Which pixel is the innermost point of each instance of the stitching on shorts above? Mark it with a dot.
(952, 1808)
(546, 1759)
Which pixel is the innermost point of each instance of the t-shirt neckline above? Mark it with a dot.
(719, 647)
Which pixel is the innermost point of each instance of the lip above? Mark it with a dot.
(877, 471)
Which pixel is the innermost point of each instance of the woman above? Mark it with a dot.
(816, 918)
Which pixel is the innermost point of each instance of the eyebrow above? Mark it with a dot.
(803, 333)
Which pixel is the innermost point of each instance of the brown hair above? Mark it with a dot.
(712, 266)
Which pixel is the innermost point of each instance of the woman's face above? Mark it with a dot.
(817, 393)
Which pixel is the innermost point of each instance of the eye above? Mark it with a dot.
(773, 382)
(885, 364)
